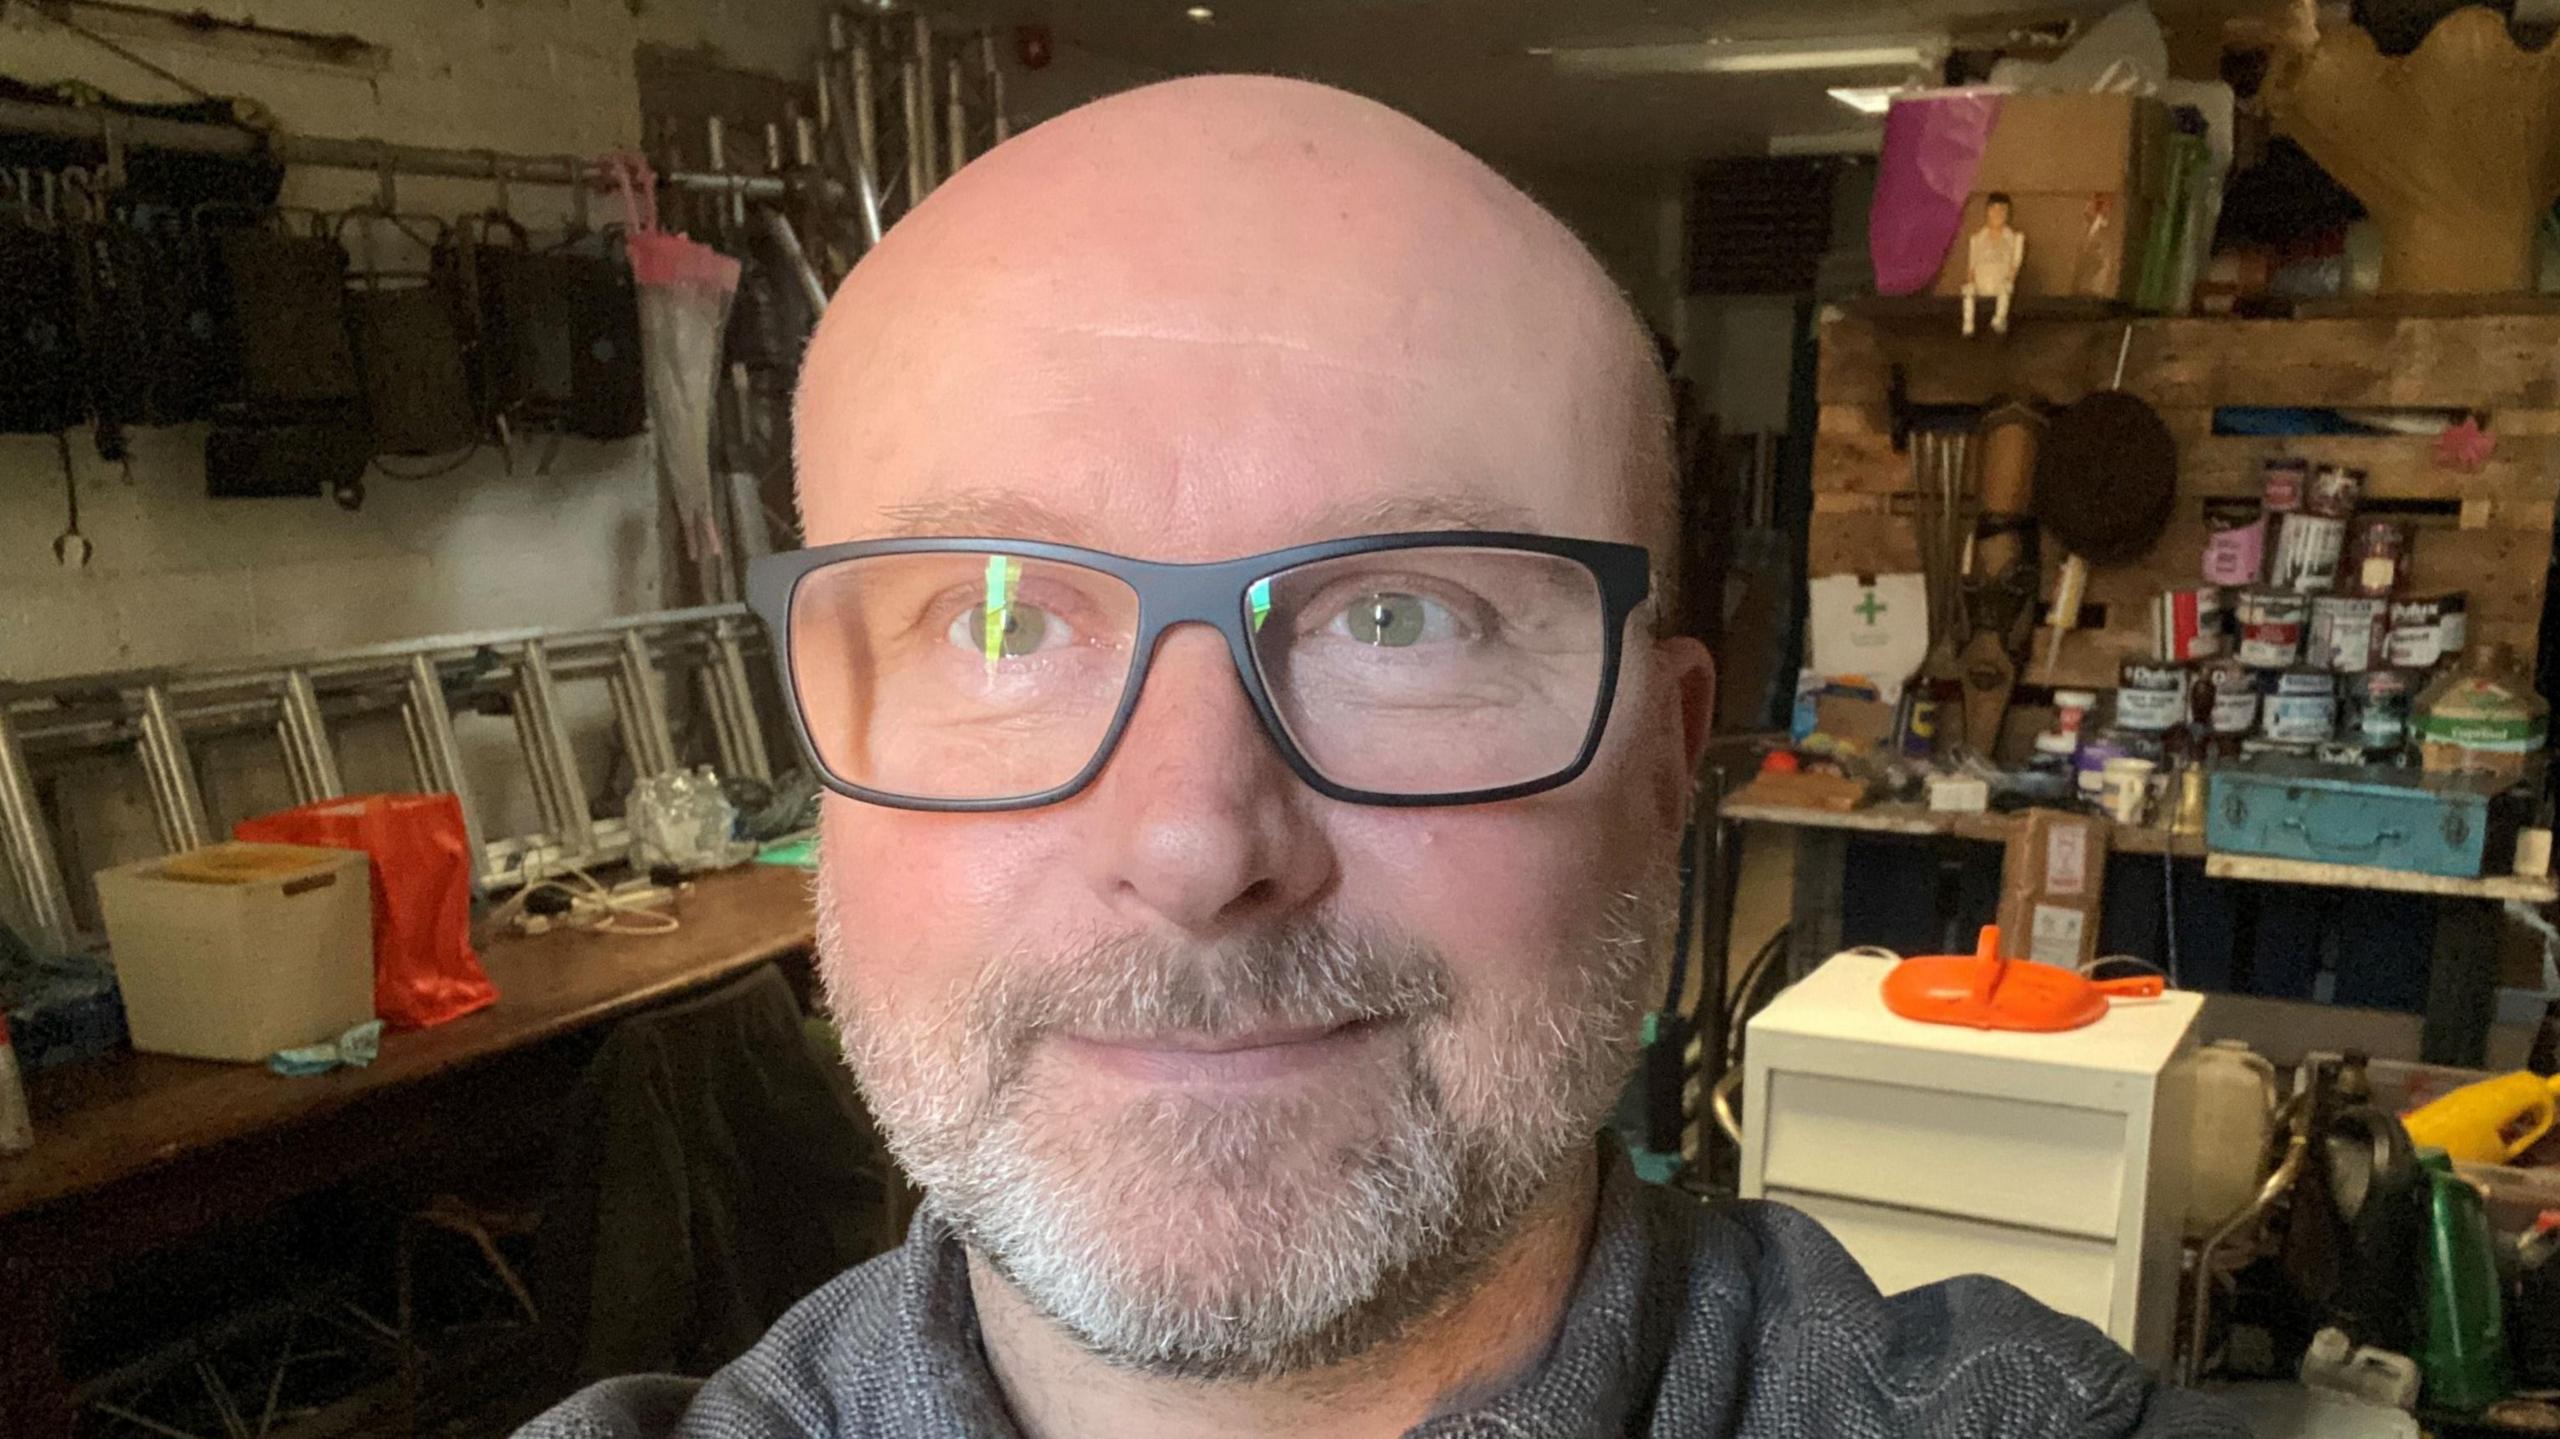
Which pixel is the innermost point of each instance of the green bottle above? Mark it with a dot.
(2464, 1357)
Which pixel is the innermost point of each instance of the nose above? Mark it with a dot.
(1197, 825)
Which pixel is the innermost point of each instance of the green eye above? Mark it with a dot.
(1388, 619)
(1009, 632)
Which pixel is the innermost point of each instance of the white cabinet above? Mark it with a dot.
(2054, 1161)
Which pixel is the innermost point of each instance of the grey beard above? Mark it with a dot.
(1186, 1236)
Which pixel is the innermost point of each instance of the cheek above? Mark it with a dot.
(926, 901)
(1507, 892)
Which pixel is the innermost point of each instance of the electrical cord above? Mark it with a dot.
(549, 903)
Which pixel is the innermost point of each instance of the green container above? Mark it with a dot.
(2464, 1354)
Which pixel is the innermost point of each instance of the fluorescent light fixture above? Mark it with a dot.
(1866, 99)
(1201, 13)
(1863, 140)
(1750, 57)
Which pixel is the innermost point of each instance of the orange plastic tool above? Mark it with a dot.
(1982, 990)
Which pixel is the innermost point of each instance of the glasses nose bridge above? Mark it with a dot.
(1171, 597)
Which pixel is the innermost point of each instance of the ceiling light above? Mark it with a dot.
(1750, 57)
(1865, 140)
(1201, 13)
(1866, 99)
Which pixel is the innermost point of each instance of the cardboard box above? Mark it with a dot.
(2051, 885)
(235, 951)
(2082, 173)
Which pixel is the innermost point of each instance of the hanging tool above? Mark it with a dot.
(2106, 480)
(71, 549)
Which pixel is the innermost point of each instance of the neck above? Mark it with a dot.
(1475, 1344)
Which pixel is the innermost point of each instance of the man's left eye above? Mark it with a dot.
(1393, 619)
(1011, 632)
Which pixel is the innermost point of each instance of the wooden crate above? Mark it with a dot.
(2487, 533)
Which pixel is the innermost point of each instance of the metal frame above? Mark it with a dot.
(154, 715)
(1212, 594)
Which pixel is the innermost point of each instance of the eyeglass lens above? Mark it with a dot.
(975, 676)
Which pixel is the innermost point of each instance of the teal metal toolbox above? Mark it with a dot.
(2461, 825)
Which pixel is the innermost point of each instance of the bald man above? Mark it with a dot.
(1232, 635)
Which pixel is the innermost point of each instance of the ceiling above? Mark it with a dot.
(1460, 64)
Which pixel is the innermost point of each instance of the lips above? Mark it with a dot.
(1243, 1056)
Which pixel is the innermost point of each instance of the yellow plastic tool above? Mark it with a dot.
(2490, 1122)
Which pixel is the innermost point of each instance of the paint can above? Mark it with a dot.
(2428, 629)
(2271, 624)
(2187, 624)
(2235, 542)
(2232, 703)
(2346, 633)
(2334, 491)
(2151, 697)
(2376, 716)
(2380, 560)
(2307, 551)
(2300, 707)
(2282, 482)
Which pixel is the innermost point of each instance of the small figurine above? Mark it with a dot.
(1992, 260)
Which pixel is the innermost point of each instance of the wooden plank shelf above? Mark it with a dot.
(2267, 869)
(1917, 821)
(2486, 532)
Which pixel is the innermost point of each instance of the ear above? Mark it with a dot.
(1691, 673)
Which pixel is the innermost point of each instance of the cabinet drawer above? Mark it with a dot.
(1902, 1249)
(2008, 1161)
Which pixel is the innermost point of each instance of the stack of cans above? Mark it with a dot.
(2326, 644)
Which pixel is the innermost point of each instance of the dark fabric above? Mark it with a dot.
(288, 459)
(559, 340)
(286, 301)
(39, 328)
(409, 349)
(1733, 1321)
(713, 1178)
(190, 359)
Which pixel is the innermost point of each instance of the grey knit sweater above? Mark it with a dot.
(1732, 1321)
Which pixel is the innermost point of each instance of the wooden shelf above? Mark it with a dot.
(1916, 821)
(2486, 532)
(2266, 869)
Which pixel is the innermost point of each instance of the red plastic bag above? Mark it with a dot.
(424, 969)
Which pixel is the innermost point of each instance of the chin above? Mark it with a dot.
(1221, 1236)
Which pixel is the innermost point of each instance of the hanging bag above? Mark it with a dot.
(425, 971)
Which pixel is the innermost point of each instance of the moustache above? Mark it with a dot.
(1306, 976)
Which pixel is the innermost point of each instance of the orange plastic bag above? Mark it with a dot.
(424, 969)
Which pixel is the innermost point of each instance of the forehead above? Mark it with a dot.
(1192, 368)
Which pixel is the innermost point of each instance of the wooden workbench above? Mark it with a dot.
(2462, 980)
(140, 1150)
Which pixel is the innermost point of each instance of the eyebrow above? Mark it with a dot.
(1018, 514)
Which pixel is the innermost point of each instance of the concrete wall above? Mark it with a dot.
(177, 576)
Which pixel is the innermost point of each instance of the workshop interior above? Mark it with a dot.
(2118, 454)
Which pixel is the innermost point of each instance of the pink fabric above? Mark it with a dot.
(1932, 147)
(663, 257)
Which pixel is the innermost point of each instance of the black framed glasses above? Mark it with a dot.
(1433, 668)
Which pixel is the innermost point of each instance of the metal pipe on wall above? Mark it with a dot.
(923, 47)
(955, 123)
(912, 82)
(866, 108)
(72, 123)
(1000, 128)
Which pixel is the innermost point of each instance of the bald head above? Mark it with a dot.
(1230, 313)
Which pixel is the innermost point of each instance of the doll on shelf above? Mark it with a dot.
(1993, 257)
